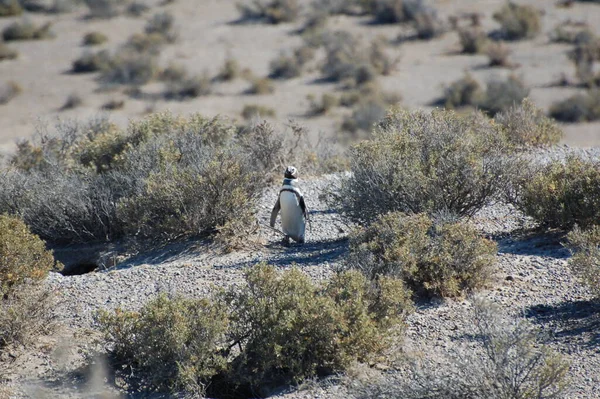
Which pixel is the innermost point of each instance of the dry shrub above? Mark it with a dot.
(92, 62)
(505, 358)
(291, 66)
(426, 162)
(7, 53)
(432, 257)
(163, 25)
(366, 113)
(184, 87)
(171, 343)
(229, 71)
(254, 111)
(269, 11)
(518, 21)
(585, 56)
(94, 39)
(9, 8)
(8, 91)
(561, 194)
(130, 68)
(498, 53)
(473, 40)
(72, 101)
(27, 30)
(113, 105)
(500, 95)
(260, 86)
(326, 105)
(137, 9)
(290, 328)
(526, 125)
(585, 263)
(578, 108)
(572, 33)
(463, 92)
(102, 8)
(145, 43)
(24, 255)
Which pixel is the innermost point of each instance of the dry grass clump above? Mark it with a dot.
(526, 125)
(269, 11)
(463, 92)
(130, 68)
(229, 71)
(254, 111)
(498, 53)
(7, 53)
(505, 358)
(8, 91)
(326, 105)
(94, 39)
(9, 8)
(440, 258)
(277, 328)
(426, 162)
(578, 108)
(560, 194)
(188, 87)
(473, 40)
(91, 62)
(260, 86)
(27, 30)
(518, 21)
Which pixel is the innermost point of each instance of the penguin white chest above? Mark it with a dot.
(292, 218)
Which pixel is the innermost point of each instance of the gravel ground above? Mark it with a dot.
(532, 282)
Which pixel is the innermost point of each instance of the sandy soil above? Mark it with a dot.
(208, 35)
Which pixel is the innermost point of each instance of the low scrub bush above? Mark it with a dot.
(585, 262)
(9, 8)
(130, 68)
(561, 194)
(94, 39)
(72, 101)
(172, 343)
(229, 71)
(473, 40)
(290, 66)
(269, 11)
(433, 257)
(163, 25)
(8, 91)
(518, 21)
(290, 328)
(26, 30)
(498, 53)
(7, 53)
(326, 105)
(585, 56)
(144, 43)
(24, 255)
(260, 86)
(578, 108)
(277, 328)
(103, 8)
(137, 9)
(463, 92)
(365, 115)
(254, 111)
(112, 105)
(426, 162)
(526, 125)
(91, 62)
(506, 358)
(500, 95)
(185, 87)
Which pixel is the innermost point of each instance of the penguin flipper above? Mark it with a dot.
(274, 212)
(303, 207)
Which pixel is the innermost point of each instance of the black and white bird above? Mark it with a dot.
(290, 202)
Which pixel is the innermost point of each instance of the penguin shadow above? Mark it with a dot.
(308, 253)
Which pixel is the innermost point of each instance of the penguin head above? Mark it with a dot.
(291, 173)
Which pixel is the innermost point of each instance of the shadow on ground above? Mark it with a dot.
(533, 242)
(575, 322)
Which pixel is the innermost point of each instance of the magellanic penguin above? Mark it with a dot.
(290, 201)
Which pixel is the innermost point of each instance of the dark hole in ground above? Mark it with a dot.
(77, 269)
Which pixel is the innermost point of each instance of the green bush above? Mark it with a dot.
(171, 343)
(433, 258)
(426, 162)
(526, 125)
(24, 255)
(561, 194)
(518, 21)
(290, 329)
(585, 262)
(26, 30)
(578, 108)
(94, 39)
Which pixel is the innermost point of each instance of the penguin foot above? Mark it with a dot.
(286, 241)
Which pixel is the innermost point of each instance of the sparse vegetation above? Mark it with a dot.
(508, 360)
(465, 91)
(442, 257)
(578, 108)
(188, 87)
(473, 40)
(365, 115)
(252, 111)
(72, 101)
(290, 66)
(229, 71)
(503, 94)
(102, 8)
(8, 91)
(261, 86)
(9, 8)
(560, 194)
(162, 25)
(94, 39)
(91, 62)
(585, 56)
(426, 162)
(498, 53)
(113, 105)
(130, 68)
(518, 21)
(526, 125)
(7, 53)
(327, 103)
(137, 9)
(269, 11)
(26, 30)
(585, 262)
